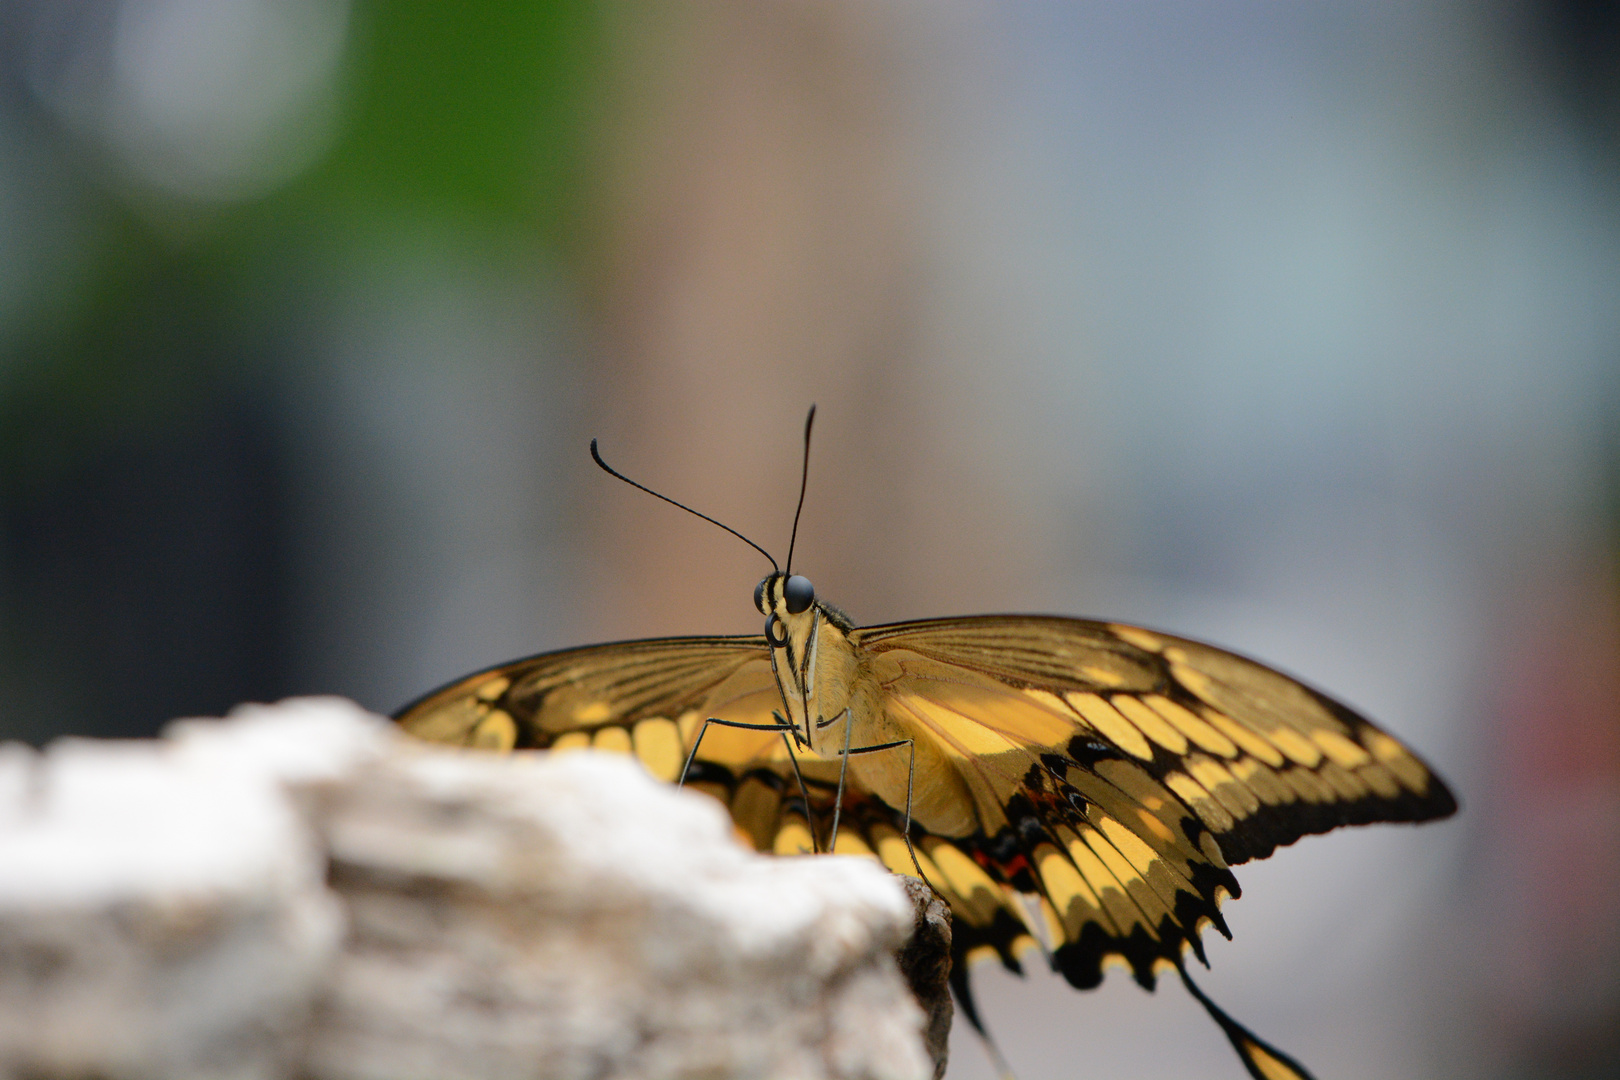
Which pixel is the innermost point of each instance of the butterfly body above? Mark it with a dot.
(834, 702)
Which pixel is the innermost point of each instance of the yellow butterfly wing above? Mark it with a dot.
(641, 697)
(1118, 773)
(1115, 774)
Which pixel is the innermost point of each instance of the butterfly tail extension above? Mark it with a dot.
(1264, 1061)
(962, 990)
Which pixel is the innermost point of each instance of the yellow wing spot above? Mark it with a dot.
(1271, 1067)
(1203, 804)
(1071, 897)
(1154, 826)
(1049, 701)
(493, 688)
(571, 740)
(1383, 747)
(1344, 784)
(1161, 876)
(1394, 757)
(1192, 726)
(593, 712)
(1101, 676)
(688, 724)
(1308, 785)
(1254, 744)
(1138, 637)
(1189, 676)
(1146, 791)
(971, 883)
(613, 740)
(1296, 746)
(1152, 906)
(1115, 961)
(1340, 750)
(1380, 780)
(497, 731)
(1110, 724)
(1262, 781)
(658, 745)
(1151, 723)
(1238, 800)
(966, 737)
(980, 952)
(892, 851)
(1023, 947)
(793, 838)
(1115, 898)
(1128, 844)
(850, 843)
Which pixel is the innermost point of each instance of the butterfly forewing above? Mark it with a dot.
(1145, 765)
(603, 690)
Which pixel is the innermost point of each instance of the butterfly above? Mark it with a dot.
(1074, 789)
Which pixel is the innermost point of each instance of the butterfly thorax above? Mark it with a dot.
(833, 698)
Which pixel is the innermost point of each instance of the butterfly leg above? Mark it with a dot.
(692, 754)
(782, 726)
(804, 792)
(911, 779)
(843, 769)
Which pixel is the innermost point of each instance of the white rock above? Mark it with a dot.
(569, 916)
(158, 917)
(302, 891)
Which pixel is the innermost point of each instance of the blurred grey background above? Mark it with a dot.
(1293, 327)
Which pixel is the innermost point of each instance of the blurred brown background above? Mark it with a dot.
(1294, 328)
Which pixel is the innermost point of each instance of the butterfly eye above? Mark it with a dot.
(759, 595)
(799, 593)
(772, 624)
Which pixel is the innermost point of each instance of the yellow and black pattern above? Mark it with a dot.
(631, 694)
(1181, 760)
(1115, 774)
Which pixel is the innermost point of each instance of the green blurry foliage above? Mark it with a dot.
(473, 119)
(480, 111)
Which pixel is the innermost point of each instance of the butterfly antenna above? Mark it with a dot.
(611, 471)
(804, 482)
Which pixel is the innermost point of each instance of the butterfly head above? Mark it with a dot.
(810, 651)
(787, 602)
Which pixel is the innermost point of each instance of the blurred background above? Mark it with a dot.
(1292, 327)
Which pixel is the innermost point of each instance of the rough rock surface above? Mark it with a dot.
(301, 891)
(925, 961)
